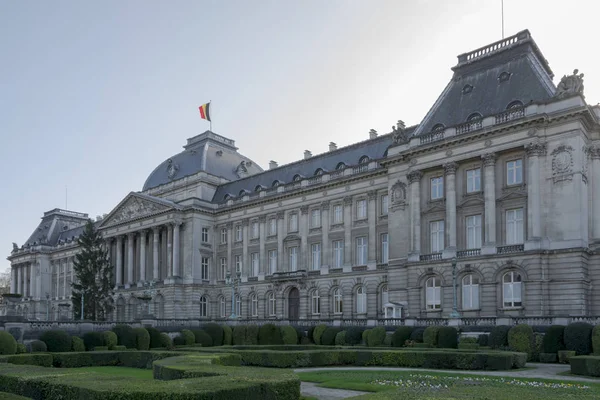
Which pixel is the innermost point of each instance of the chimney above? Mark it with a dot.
(332, 146)
(372, 134)
(307, 154)
(273, 164)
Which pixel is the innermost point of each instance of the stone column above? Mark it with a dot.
(262, 232)
(170, 250)
(229, 246)
(414, 179)
(347, 231)
(245, 263)
(176, 244)
(119, 278)
(20, 279)
(25, 281)
(489, 195)
(325, 245)
(155, 260)
(57, 268)
(130, 242)
(65, 279)
(142, 277)
(595, 155)
(72, 277)
(302, 260)
(32, 282)
(372, 215)
(280, 236)
(534, 201)
(450, 178)
(13, 279)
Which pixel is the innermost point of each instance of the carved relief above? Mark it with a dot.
(348, 200)
(489, 159)
(372, 195)
(399, 195)
(134, 208)
(562, 163)
(414, 176)
(172, 169)
(450, 168)
(325, 205)
(241, 171)
(535, 149)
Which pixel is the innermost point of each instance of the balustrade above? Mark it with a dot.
(513, 248)
(468, 253)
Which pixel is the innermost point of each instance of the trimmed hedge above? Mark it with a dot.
(553, 340)
(328, 337)
(430, 335)
(565, 355)
(340, 338)
(37, 346)
(354, 336)
(166, 341)
(289, 335)
(100, 348)
(215, 331)
(110, 339)
(91, 340)
(365, 336)
(252, 335)
(39, 359)
(120, 348)
(376, 336)
(142, 339)
(468, 346)
(269, 334)
(578, 338)
(57, 341)
(77, 344)
(417, 334)
(227, 336)
(188, 337)
(179, 340)
(596, 340)
(8, 344)
(499, 336)
(21, 348)
(239, 335)
(401, 335)
(155, 339)
(203, 338)
(483, 340)
(125, 335)
(548, 357)
(585, 365)
(520, 338)
(447, 337)
(318, 332)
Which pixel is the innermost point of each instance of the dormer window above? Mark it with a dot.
(297, 178)
(515, 104)
(275, 183)
(340, 166)
(318, 172)
(363, 160)
(258, 188)
(227, 197)
(438, 128)
(504, 76)
(474, 117)
(467, 89)
(243, 193)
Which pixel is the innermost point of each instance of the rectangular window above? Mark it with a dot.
(437, 188)
(361, 209)
(272, 261)
(254, 306)
(470, 294)
(293, 225)
(338, 214)
(514, 172)
(473, 180)
(384, 248)
(238, 264)
(316, 256)
(315, 218)
(433, 294)
(255, 263)
(272, 227)
(338, 253)
(204, 269)
(238, 233)
(293, 258)
(514, 226)
(255, 230)
(223, 269)
(223, 235)
(361, 250)
(473, 223)
(204, 235)
(437, 236)
(384, 204)
(272, 305)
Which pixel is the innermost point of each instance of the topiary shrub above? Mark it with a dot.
(166, 341)
(289, 335)
(554, 339)
(155, 340)
(238, 335)
(92, 340)
(468, 339)
(77, 344)
(417, 334)
(188, 337)
(564, 355)
(179, 340)
(328, 337)
(318, 332)
(520, 338)
(110, 339)
(202, 337)
(499, 336)
(310, 334)
(269, 334)
(37, 346)
(21, 349)
(387, 341)
(306, 341)
(353, 336)
(16, 332)
(376, 337)
(537, 346)
(596, 340)
(578, 338)
(8, 344)
(401, 335)
(430, 335)
(142, 339)
(340, 338)
(227, 336)
(252, 335)
(120, 348)
(216, 332)
(125, 335)
(365, 337)
(57, 341)
(483, 340)
(548, 357)
(447, 337)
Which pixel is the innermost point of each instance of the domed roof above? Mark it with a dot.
(208, 152)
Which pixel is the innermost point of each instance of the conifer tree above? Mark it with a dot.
(93, 277)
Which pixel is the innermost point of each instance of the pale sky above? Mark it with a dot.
(94, 95)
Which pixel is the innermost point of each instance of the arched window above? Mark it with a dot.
(275, 183)
(238, 305)
(133, 309)
(470, 292)
(438, 128)
(385, 298)
(243, 192)
(514, 104)
(474, 117)
(203, 306)
(337, 302)
(511, 289)
(340, 166)
(222, 310)
(272, 305)
(315, 302)
(258, 188)
(361, 300)
(297, 178)
(364, 160)
(433, 294)
(254, 305)
(159, 306)
(319, 171)
(227, 197)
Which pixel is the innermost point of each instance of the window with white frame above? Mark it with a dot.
(254, 305)
(316, 256)
(470, 292)
(385, 252)
(433, 294)
(474, 180)
(514, 226)
(272, 227)
(361, 250)
(238, 263)
(437, 188)
(223, 269)
(204, 235)
(255, 230)
(315, 218)
(238, 233)
(205, 267)
(293, 223)
(514, 172)
(361, 209)
(436, 228)
(238, 305)
(272, 305)
(338, 253)
(385, 297)
(337, 302)
(338, 214)
(223, 235)
(293, 258)
(272, 261)
(384, 204)
(361, 301)
(473, 223)
(222, 309)
(315, 302)
(255, 264)
(203, 306)
(511, 289)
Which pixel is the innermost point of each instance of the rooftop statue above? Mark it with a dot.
(15, 247)
(399, 133)
(569, 85)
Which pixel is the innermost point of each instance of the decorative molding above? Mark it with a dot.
(304, 210)
(348, 200)
(280, 215)
(134, 208)
(262, 218)
(450, 168)
(399, 195)
(414, 176)
(325, 205)
(487, 143)
(536, 149)
(229, 225)
(594, 152)
(372, 195)
(245, 222)
(489, 159)
(562, 163)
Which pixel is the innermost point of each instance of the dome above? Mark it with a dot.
(208, 152)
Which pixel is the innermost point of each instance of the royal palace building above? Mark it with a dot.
(497, 189)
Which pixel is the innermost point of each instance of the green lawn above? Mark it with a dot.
(119, 371)
(429, 386)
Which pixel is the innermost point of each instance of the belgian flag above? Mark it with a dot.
(205, 111)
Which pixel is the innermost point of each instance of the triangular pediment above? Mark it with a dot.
(134, 207)
(517, 192)
(472, 200)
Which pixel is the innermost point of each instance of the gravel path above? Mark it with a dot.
(312, 390)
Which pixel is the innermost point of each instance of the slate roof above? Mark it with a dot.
(57, 225)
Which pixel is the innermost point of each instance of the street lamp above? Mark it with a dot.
(47, 306)
(147, 295)
(454, 313)
(233, 281)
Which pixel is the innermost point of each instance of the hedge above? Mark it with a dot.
(269, 334)
(548, 357)
(565, 355)
(77, 344)
(142, 339)
(289, 335)
(354, 336)
(203, 338)
(227, 336)
(578, 338)
(417, 334)
(401, 335)
(110, 339)
(365, 336)
(37, 346)
(155, 337)
(376, 336)
(8, 344)
(239, 335)
(56, 340)
(585, 365)
(21, 348)
(483, 340)
(310, 334)
(125, 335)
(91, 340)
(340, 338)
(188, 337)
(252, 334)
(328, 337)
(520, 338)
(215, 331)
(596, 340)
(468, 346)
(318, 332)
(447, 337)
(166, 341)
(430, 335)
(39, 359)
(499, 336)
(553, 340)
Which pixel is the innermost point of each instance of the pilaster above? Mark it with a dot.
(450, 178)
(372, 215)
(489, 195)
(326, 246)
(348, 202)
(534, 150)
(414, 180)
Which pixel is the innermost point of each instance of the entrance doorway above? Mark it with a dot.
(294, 304)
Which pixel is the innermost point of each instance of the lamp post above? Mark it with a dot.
(233, 281)
(47, 306)
(82, 300)
(147, 295)
(454, 313)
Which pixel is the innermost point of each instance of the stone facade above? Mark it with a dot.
(500, 186)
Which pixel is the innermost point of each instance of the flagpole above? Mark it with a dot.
(502, 19)
(210, 122)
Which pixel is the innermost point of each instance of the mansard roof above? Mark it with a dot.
(57, 225)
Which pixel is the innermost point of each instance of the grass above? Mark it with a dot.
(117, 371)
(428, 386)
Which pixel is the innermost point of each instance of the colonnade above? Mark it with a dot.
(23, 279)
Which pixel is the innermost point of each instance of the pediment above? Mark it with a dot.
(517, 192)
(292, 237)
(434, 206)
(134, 207)
(472, 200)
